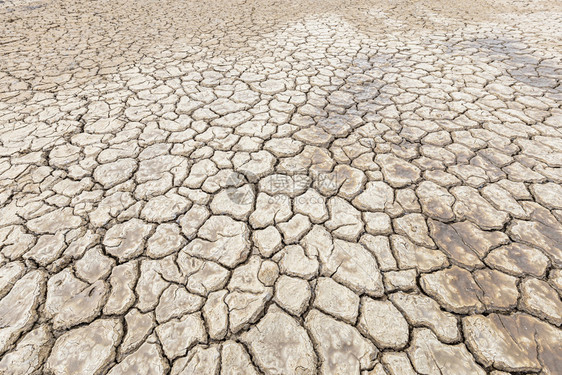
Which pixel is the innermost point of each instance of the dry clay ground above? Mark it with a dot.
(280, 187)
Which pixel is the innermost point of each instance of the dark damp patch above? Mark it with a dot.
(517, 55)
(33, 7)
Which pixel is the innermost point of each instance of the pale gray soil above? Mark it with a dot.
(280, 187)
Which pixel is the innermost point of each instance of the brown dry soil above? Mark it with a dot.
(281, 187)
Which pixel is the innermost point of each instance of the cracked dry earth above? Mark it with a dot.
(299, 187)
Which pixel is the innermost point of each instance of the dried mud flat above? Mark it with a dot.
(280, 187)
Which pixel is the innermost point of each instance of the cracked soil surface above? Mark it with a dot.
(280, 187)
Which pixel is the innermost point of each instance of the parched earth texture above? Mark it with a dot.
(280, 187)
